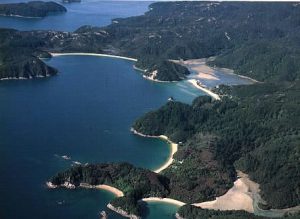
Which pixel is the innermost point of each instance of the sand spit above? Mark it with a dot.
(206, 90)
(166, 200)
(203, 71)
(93, 54)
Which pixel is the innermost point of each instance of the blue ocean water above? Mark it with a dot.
(88, 12)
(85, 112)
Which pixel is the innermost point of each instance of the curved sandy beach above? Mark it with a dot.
(239, 197)
(115, 191)
(166, 200)
(111, 189)
(174, 148)
(93, 54)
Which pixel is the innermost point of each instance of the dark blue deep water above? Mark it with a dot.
(85, 112)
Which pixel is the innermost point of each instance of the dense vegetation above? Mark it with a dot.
(257, 129)
(260, 40)
(31, 9)
(19, 59)
(254, 128)
(192, 212)
(136, 183)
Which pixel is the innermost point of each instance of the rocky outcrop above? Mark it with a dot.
(122, 212)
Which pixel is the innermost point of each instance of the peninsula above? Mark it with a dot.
(33, 9)
(252, 128)
(204, 30)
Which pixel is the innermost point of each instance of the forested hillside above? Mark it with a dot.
(253, 128)
(256, 39)
(256, 130)
(36, 9)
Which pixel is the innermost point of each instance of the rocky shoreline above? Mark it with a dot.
(122, 212)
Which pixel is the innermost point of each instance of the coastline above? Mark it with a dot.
(174, 148)
(115, 191)
(207, 91)
(23, 78)
(19, 16)
(93, 54)
(204, 71)
(166, 200)
(122, 212)
(238, 197)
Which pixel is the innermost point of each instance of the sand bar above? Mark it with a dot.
(174, 148)
(209, 92)
(93, 54)
(167, 200)
(203, 71)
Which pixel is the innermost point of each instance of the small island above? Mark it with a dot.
(33, 9)
(253, 128)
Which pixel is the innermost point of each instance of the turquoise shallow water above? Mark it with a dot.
(86, 113)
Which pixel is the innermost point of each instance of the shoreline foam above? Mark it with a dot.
(93, 54)
(173, 146)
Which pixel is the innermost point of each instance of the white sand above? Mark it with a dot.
(93, 54)
(174, 148)
(167, 200)
(237, 198)
(210, 93)
(111, 189)
(203, 71)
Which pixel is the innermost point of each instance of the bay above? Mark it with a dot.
(84, 112)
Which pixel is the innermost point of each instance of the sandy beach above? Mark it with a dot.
(210, 93)
(203, 71)
(167, 200)
(237, 198)
(174, 148)
(199, 68)
(93, 54)
(111, 189)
